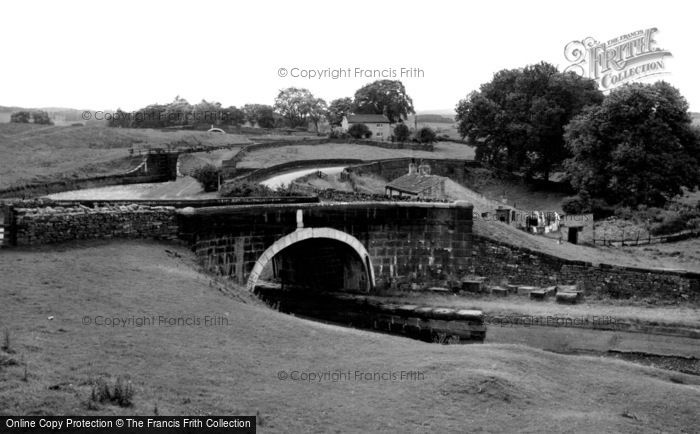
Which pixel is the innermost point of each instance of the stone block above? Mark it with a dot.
(538, 295)
(525, 290)
(499, 291)
(568, 297)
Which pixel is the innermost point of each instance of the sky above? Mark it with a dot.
(128, 54)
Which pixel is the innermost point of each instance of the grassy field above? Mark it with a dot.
(233, 369)
(270, 157)
(683, 255)
(36, 153)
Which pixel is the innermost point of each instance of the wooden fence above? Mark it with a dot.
(639, 240)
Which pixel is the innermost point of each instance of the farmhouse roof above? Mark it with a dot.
(368, 119)
(414, 183)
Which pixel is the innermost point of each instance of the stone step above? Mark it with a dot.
(499, 291)
(525, 290)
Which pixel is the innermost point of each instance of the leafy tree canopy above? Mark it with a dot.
(387, 97)
(638, 147)
(516, 121)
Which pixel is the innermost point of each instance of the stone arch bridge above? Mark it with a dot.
(355, 246)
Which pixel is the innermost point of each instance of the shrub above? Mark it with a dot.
(625, 213)
(601, 209)
(208, 177)
(426, 135)
(359, 131)
(122, 393)
(245, 189)
(575, 205)
(401, 133)
(672, 222)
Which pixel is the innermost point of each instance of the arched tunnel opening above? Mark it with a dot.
(324, 274)
(316, 265)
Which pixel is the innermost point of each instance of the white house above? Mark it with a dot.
(379, 125)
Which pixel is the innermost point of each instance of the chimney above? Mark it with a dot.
(412, 168)
(424, 169)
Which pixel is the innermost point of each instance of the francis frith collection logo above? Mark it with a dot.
(619, 60)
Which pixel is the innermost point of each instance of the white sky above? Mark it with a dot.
(128, 54)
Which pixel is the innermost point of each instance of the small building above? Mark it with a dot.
(418, 183)
(574, 226)
(379, 125)
(505, 214)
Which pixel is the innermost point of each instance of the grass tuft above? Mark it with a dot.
(121, 393)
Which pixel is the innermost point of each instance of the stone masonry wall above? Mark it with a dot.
(422, 242)
(410, 243)
(43, 225)
(457, 170)
(498, 261)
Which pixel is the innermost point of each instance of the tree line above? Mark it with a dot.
(31, 116)
(637, 145)
(293, 108)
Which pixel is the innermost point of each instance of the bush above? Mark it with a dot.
(208, 177)
(337, 134)
(672, 222)
(36, 116)
(245, 189)
(601, 209)
(575, 205)
(122, 393)
(401, 133)
(426, 135)
(359, 131)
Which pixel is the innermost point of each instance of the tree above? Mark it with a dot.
(179, 112)
(232, 116)
(426, 135)
(260, 115)
(359, 131)
(317, 110)
(338, 109)
(387, 97)
(20, 117)
(401, 133)
(152, 116)
(294, 105)
(208, 177)
(516, 121)
(207, 113)
(119, 119)
(41, 117)
(638, 147)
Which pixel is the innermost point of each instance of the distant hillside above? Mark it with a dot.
(59, 115)
(431, 118)
(40, 153)
(436, 118)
